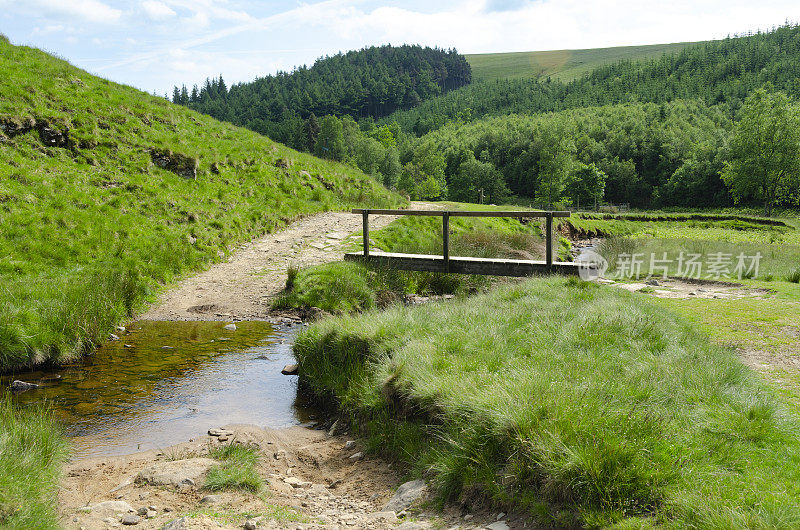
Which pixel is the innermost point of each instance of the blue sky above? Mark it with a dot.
(155, 44)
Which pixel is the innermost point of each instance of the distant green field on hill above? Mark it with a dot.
(559, 64)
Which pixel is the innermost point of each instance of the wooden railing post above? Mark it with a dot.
(446, 240)
(365, 229)
(549, 241)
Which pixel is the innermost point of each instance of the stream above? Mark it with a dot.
(162, 383)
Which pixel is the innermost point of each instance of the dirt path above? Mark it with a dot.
(313, 481)
(241, 287)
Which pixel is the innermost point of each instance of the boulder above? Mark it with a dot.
(53, 137)
(406, 495)
(22, 386)
(229, 327)
(174, 473)
(182, 165)
(131, 519)
(290, 369)
(14, 126)
(111, 508)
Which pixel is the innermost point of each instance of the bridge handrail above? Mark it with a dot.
(447, 214)
(463, 213)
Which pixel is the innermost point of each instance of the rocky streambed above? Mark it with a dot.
(315, 479)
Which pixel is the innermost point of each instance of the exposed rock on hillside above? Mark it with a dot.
(182, 165)
(50, 134)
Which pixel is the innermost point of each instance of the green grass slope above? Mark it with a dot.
(565, 65)
(100, 205)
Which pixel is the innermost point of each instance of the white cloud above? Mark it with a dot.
(216, 36)
(196, 22)
(47, 30)
(212, 9)
(158, 10)
(89, 10)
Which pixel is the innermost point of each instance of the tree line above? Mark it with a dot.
(662, 132)
(371, 82)
(716, 72)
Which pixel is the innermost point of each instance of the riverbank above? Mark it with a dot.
(314, 477)
(569, 400)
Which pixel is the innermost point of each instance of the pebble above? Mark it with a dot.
(297, 483)
(211, 499)
(290, 369)
(131, 519)
(252, 524)
(175, 524)
(220, 432)
(357, 456)
(334, 428)
(111, 336)
(230, 327)
(349, 444)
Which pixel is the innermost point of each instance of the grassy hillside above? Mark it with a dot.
(108, 193)
(565, 65)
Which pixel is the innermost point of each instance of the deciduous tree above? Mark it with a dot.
(764, 159)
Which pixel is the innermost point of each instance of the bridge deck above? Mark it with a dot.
(462, 265)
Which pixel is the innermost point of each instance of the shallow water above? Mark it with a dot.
(163, 382)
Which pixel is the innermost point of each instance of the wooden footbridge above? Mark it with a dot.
(459, 264)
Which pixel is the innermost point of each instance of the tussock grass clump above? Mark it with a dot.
(347, 287)
(794, 276)
(32, 452)
(582, 404)
(237, 469)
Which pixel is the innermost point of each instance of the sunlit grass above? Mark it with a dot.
(236, 470)
(583, 405)
(32, 452)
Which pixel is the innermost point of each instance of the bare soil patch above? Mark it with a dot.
(686, 288)
(314, 481)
